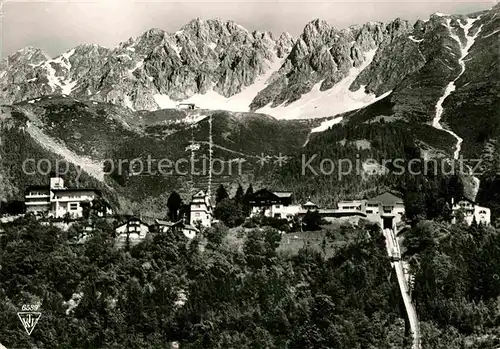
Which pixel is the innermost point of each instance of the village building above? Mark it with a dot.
(134, 229)
(471, 211)
(201, 210)
(57, 201)
(386, 210)
(188, 230)
(351, 206)
(277, 204)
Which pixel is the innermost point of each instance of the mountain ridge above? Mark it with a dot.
(178, 65)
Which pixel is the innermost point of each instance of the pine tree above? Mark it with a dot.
(221, 194)
(246, 201)
(174, 204)
(239, 196)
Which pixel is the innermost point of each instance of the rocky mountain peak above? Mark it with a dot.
(316, 25)
(154, 32)
(284, 44)
(222, 57)
(317, 31)
(28, 55)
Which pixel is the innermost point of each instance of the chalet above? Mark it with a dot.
(57, 201)
(471, 210)
(188, 230)
(134, 229)
(201, 210)
(277, 204)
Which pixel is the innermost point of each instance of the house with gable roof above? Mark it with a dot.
(277, 204)
(201, 210)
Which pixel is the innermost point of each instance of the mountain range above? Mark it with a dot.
(435, 82)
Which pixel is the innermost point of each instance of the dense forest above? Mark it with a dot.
(457, 284)
(212, 293)
(251, 297)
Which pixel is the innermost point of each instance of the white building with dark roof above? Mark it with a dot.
(277, 204)
(57, 201)
(133, 229)
(188, 230)
(201, 210)
(471, 210)
(386, 210)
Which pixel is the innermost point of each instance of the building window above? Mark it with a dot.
(73, 206)
(369, 211)
(278, 206)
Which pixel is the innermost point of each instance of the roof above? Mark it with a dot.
(167, 223)
(47, 188)
(97, 191)
(178, 223)
(283, 194)
(387, 199)
(190, 227)
(132, 219)
(201, 193)
(309, 203)
(351, 202)
(465, 198)
(37, 187)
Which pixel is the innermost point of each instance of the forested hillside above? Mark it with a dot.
(208, 294)
(253, 298)
(457, 284)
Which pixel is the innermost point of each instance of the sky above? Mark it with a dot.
(59, 25)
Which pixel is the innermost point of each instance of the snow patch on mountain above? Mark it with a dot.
(137, 66)
(339, 99)
(327, 124)
(128, 103)
(240, 102)
(436, 122)
(65, 84)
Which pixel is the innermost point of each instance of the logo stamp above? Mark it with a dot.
(29, 317)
